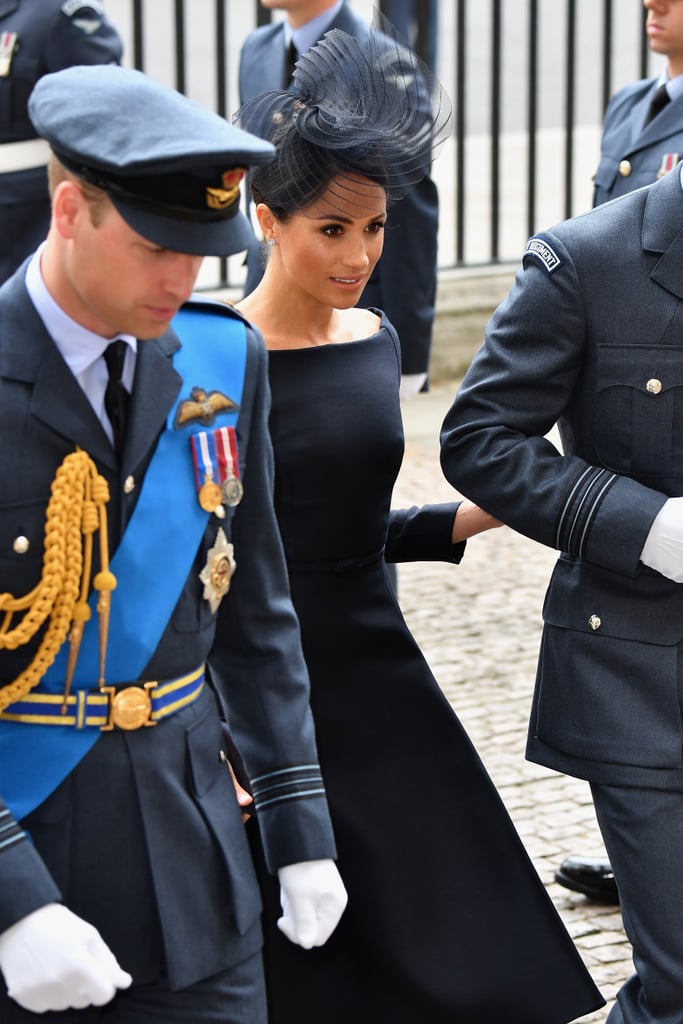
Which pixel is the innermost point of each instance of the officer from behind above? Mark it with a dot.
(37, 37)
(139, 552)
(642, 135)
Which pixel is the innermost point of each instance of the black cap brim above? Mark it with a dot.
(223, 237)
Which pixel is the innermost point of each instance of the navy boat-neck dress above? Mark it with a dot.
(447, 920)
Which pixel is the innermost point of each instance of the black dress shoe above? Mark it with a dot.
(592, 877)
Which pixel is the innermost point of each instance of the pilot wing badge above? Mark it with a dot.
(203, 407)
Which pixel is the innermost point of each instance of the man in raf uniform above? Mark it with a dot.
(134, 427)
(642, 140)
(642, 134)
(37, 37)
(590, 338)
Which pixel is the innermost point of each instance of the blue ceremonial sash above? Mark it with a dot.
(34, 759)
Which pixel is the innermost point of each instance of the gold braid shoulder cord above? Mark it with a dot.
(76, 509)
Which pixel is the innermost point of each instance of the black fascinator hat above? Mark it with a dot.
(357, 108)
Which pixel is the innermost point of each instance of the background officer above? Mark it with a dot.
(404, 281)
(418, 22)
(36, 37)
(643, 126)
(134, 423)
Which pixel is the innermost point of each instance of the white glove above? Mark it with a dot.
(663, 549)
(53, 960)
(313, 899)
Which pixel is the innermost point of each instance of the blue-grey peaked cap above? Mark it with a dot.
(170, 166)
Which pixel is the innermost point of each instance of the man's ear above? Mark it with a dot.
(68, 203)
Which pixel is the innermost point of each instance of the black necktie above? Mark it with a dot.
(658, 102)
(116, 397)
(291, 58)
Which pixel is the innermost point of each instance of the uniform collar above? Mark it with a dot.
(674, 86)
(308, 35)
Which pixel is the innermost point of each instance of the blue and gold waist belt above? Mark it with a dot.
(127, 706)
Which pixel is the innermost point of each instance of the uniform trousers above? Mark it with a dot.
(643, 834)
(235, 996)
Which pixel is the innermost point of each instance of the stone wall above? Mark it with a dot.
(465, 301)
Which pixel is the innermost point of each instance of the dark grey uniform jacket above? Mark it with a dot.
(145, 837)
(632, 156)
(404, 281)
(591, 337)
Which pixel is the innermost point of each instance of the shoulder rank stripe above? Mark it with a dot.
(580, 509)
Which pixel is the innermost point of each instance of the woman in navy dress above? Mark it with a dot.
(447, 920)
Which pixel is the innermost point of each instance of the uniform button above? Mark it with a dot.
(625, 168)
(21, 545)
(654, 386)
(594, 622)
(129, 485)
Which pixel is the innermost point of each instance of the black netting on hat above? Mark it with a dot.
(369, 109)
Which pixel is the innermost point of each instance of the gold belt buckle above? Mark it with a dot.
(130, 708)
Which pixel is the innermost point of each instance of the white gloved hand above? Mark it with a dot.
(53, 960)
(313, 899)
(663, 549)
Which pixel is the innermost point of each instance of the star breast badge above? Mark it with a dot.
(217, 573)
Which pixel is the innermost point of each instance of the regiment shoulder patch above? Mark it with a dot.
(72, 7)
(540, 250)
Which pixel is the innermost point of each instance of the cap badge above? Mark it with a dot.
(219, 198)
(203, 407)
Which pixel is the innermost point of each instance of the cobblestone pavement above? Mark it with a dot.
(479, 626)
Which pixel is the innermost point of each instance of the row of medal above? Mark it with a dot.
(216, 468)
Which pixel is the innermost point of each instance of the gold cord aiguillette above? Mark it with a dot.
(76, 509)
